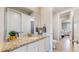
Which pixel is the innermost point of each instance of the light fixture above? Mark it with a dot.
(32, 19)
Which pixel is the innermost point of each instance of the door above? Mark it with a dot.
(66, 30)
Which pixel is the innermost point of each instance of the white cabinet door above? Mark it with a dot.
(38, 46)
(44, 45)
(41, 45)
(47, 43)
(21, 49)
(33, 47)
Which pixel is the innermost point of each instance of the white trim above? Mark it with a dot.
(58, 16)
(65, 11)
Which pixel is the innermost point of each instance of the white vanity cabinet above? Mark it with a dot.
(21, 49)
(41, 45)
(47, 44)
(33, 47)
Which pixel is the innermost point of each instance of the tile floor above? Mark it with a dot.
(65, 45)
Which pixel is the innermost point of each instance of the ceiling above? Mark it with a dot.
(29, 11)
(59, 9)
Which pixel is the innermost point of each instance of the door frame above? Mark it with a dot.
(59, 22)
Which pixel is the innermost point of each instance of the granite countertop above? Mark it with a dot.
(21, 41)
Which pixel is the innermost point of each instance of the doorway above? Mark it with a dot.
(65, 31)
(65, 25)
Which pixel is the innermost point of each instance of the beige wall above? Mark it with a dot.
(1, 24)
(55, 26)
(36, 14)
(76, 24)
(47, 18)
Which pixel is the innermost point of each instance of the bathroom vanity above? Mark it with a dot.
(36, 43)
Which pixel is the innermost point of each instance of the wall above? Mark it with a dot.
(1, 24)
(55, 27)
(47, 18)
(36, 14)
(76, 24)
(46, 15)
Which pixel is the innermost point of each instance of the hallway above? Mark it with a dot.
(65, 45)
